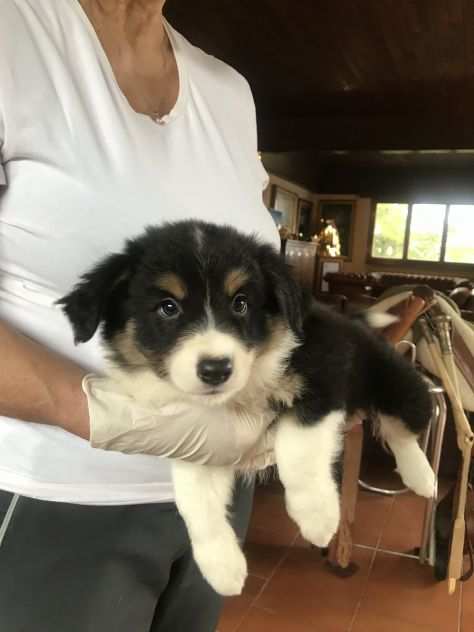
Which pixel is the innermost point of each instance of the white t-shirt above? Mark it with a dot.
(83, 172)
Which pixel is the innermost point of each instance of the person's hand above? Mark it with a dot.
(189, 432)
(261, 455)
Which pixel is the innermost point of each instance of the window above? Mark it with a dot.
(442, 233)
(460, 237)
(426, 232)
(389, 231)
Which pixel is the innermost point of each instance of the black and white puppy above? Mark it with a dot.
(201, 313)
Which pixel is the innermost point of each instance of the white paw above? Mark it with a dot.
(222, 564)
(416, 473)
(317, 515)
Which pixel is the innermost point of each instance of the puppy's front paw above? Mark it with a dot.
(317, 515)
(222, 564)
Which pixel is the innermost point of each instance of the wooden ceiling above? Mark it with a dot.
(346, 75)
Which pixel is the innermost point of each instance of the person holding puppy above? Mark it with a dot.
(110, 121)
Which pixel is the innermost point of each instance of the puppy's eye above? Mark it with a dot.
(169, 308)
(240, 304)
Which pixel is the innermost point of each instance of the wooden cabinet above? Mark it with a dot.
(301, 256)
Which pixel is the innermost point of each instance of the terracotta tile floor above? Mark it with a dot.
(291, 590)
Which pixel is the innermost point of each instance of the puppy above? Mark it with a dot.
(200, 313)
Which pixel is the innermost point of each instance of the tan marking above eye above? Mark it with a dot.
(172, 283)
(235, 280)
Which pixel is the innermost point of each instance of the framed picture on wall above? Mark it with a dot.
(277, 216)
(305, 212)
(285, 203)
(341, 214)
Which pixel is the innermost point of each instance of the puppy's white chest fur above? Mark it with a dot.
(205, 491)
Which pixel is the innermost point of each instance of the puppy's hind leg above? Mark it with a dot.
(203, 494)
(412, 464)
(305, 456)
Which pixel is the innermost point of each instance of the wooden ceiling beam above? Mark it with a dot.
(434, 130)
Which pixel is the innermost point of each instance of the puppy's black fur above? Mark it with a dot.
(349, 367)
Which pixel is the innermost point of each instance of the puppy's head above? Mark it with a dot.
(196, 303)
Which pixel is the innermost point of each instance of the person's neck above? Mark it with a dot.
(139, 22)
(133, 35)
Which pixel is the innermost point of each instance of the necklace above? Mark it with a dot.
(158, 119)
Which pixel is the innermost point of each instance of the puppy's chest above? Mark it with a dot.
(290, 388)
(276, 395)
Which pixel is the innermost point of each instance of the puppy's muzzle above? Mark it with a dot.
(214, 371)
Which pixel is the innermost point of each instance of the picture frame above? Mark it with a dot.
(342, 213)
(305, 218)
(284, 207)
(328, 264)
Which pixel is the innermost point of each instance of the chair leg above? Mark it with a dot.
(340, 549)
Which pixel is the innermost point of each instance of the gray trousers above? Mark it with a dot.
(75, 568)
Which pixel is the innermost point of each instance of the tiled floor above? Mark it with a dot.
(290, 588)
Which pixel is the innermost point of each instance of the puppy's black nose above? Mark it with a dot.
(214, 370)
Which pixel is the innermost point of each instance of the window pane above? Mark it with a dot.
(389, 230)
(460, 240)
(426, 231)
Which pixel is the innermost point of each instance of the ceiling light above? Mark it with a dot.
(434, 152)
(396, 152)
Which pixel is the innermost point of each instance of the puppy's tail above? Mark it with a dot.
(375, 319)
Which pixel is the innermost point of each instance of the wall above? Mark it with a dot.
(360, 246)
(360, 230)
(289, 185)
(458, 190)
(360, 237)
(296, 167)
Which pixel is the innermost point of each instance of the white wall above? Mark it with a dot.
(289, 186)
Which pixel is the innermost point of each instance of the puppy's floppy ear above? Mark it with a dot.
(86, 304)
(285, 290)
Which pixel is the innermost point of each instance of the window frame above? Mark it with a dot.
(404, 261)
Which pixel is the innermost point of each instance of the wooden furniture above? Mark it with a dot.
(326, 265)
(340, 549)
(351, 285)
(390, 279)
(301, 256)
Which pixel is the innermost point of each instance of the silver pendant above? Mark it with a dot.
(157, 119)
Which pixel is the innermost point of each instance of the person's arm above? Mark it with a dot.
(35, 383)
(39, 385)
